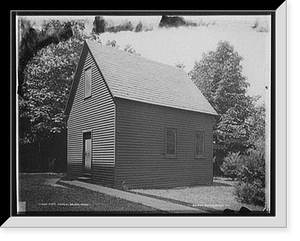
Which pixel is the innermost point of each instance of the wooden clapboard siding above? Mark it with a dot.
(140, 146)
(95, 114)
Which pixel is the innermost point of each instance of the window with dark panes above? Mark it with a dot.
(199, 143)
(170, 142)
(88, 82)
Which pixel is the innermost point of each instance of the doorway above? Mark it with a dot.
(87, 153)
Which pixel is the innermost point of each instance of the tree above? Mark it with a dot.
(47, 77)
(99, 25)
(219, 77)
(240, 127)
(33, 40)
(138, 27)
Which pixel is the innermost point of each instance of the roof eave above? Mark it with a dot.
(213, 113)
(75, 82)
(97, 65)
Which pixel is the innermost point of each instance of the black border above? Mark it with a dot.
(13, 134)
(12, 168)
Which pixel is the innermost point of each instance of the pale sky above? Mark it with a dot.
(187, 44)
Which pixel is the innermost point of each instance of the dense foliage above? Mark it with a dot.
(33, 40)
(240, 127)
(231, 164)
(48, 59)
(251, 178)
(47, 79)
(219, 77)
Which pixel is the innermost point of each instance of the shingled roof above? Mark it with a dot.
(130, 76)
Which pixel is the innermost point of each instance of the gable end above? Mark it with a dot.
(79, 69)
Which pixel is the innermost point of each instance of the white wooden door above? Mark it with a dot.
(87, 155)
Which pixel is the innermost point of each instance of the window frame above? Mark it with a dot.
(166, 154)
(87, 95)
(195, 144)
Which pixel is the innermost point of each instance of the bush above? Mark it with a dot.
(230, 165)
(250, 193)
(251, 178)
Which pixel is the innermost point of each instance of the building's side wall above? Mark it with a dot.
(95, 114)
(140, 146)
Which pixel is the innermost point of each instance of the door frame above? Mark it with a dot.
(87, 134)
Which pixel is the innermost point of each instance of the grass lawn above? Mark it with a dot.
(43, 194)
(217, 196)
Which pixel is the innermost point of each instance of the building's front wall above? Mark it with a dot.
(95, 114)
(140, 146)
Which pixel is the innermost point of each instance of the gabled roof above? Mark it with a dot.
(130, 76)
